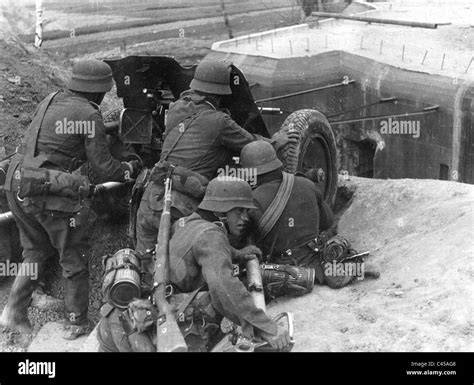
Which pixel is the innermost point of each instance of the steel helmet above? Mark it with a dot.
(225, 193)
(91, 76)
(212, 77)
(261, 156)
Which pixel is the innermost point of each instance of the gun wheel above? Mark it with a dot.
(315, 153)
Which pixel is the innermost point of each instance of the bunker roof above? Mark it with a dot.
(447, 50)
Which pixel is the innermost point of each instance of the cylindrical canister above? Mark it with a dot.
(302, 277)
(254, 279)
(124, 267)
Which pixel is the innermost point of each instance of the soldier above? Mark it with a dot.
(67, 130)
(299, 213)
(200, 254)
(199, 138)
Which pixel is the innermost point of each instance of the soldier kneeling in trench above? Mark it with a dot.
(288, 223)
(201, 271)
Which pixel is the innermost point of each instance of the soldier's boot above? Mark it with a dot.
(76, 298)
(15, 313)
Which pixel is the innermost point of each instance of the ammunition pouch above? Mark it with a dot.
(184, 180)
(141, 316)
(279, 280)
(138, 323)
(42, 181)
(198, 322)
(122, 276)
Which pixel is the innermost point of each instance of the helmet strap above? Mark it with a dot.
(222, 217)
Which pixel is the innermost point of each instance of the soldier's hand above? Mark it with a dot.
(135, 167)
(246, 254)
(283, 138)
(280, 342)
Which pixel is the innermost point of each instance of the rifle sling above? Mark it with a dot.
(276, 207)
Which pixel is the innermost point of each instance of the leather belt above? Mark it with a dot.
(314, 245)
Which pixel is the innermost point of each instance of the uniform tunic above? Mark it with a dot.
(55, 225)
(304, 216)
(200, 253)
(210, 141)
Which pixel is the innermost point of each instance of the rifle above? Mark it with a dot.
(168, 334)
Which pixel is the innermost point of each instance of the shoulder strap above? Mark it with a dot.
(275, 209)
(192, 117)
(36, 126)
(182, 307)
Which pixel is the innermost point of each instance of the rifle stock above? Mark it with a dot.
(169, 336)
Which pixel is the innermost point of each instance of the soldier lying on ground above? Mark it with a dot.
(199, 138)
(201, 257)
(291, 213)
(67, 131)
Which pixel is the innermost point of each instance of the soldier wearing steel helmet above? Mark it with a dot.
(201, 258)
(302, 218)
(198, 137)
(67, 131)
(201, 254)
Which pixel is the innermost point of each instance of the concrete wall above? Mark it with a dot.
(444, 148)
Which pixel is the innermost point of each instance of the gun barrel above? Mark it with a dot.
(407, 23)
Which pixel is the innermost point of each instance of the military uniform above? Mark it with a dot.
(200, 256)
(291, 213)
(210, 140)
(201, 274)
(51, 225)
(200, 253)
(305, 215)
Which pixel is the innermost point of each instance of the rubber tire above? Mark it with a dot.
(316, 132)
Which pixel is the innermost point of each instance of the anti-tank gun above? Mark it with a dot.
(148, 85)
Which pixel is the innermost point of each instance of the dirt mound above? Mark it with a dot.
(419, 233)
(26, 77)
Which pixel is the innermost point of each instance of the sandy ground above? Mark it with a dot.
(419, 233)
